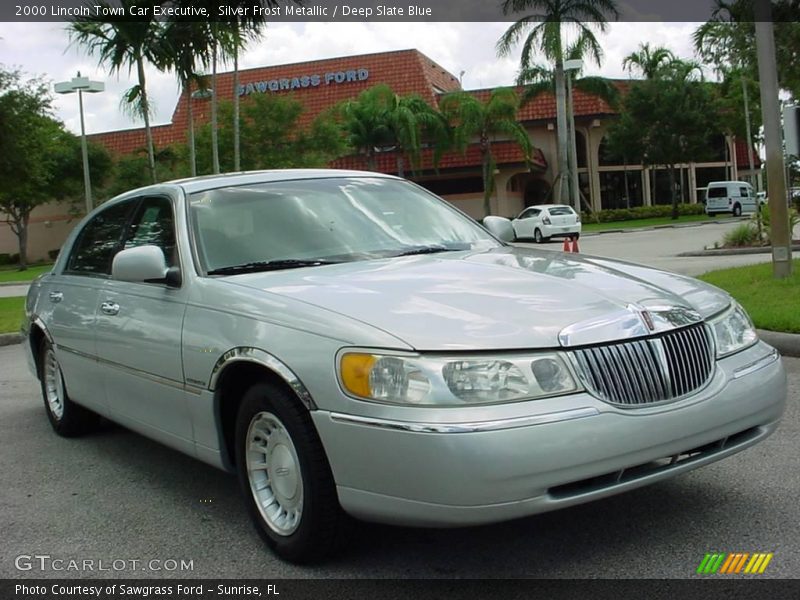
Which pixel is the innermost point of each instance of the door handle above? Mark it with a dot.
(56, 296)
(110, 308)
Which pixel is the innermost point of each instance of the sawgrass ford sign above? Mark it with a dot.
(304, 81)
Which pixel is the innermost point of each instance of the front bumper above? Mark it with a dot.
(553, 453)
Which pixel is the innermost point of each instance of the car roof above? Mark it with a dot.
(721, 183)
(541, 206)
(191, 185)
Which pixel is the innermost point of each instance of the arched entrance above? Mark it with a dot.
(532, 189)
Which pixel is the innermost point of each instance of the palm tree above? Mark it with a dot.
(648, 60)
(123, 43)
(472, 118)
(366, 123)
(190, 55)
(539, 79)
(542, 31)
(411, 120)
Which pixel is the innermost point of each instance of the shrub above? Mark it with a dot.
(9, 259)
(744, 234)
(794, 220)
(640, 212)
(53, 254)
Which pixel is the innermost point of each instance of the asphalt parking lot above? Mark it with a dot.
(660, 248)
(117, 496)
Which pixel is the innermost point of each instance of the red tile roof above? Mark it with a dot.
(742, 160)
(405, 71)
(502, 152)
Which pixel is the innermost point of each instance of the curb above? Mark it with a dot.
(654, 227)
(9, 339)
(788, 344)
(735, 251)
(15, 283)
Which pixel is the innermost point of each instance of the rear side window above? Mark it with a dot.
(99, 241)
(717, 192)
(560, 210)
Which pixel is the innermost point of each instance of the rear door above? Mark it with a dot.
(68, 302)
(526, 223)
(717, 198)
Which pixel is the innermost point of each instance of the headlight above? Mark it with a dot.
(443, 381)
(733, 331)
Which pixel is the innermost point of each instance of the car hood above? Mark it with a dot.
(505, 298)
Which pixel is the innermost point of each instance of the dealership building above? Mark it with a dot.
(320, 85)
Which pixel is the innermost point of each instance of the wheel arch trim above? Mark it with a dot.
(266, 360)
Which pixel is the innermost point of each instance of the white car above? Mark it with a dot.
(546, 221)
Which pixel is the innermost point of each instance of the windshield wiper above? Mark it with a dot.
(271, 265)
(434, 249)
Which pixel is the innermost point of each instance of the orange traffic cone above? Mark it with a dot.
(566, 247)
(575, 248)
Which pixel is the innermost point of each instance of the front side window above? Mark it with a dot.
(743, 192)
(99, 241)
(330, 220)
(153, 225)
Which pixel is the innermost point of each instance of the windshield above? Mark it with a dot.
(289, 224)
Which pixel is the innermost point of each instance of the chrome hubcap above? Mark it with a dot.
(273, 471)
(53, 385)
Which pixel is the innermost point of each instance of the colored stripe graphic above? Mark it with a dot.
(730, 563)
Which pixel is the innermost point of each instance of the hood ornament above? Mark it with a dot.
(648, 320)
(633, 321)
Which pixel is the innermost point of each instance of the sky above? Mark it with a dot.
(44, 49)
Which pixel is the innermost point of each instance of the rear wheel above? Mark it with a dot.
(67, 418)
(737, 210)
(285, 476)
(538, 237)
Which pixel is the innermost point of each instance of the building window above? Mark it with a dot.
(461, 185)
(621, 189)
(662, 194)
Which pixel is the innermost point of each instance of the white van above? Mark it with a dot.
(736, 197)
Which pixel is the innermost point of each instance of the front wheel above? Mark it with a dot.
(285, 476)
(737, 211)
(67, 418)
(538, 237)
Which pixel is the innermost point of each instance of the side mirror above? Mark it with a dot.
(500, 227)
(145, 264)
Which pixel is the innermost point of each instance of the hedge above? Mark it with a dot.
(640, 212)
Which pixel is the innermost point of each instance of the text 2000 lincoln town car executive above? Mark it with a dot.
(348, 343)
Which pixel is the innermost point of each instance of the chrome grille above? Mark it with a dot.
(648, 370)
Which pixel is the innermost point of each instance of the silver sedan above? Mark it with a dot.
(350, 344)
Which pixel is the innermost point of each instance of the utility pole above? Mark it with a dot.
(770, 112)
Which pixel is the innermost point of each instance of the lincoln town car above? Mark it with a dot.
(350, 345)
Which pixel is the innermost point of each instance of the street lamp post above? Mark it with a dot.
(82, 84)
(570, 66)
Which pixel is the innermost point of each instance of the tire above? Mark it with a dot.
(538, 237)
(303, 521)
(737, 210)
(67, 418)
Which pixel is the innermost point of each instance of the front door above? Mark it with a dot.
(139, 337)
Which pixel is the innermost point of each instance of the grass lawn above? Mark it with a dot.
(772, 303)
(10, 273)
(588, 226)
(11, 312)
